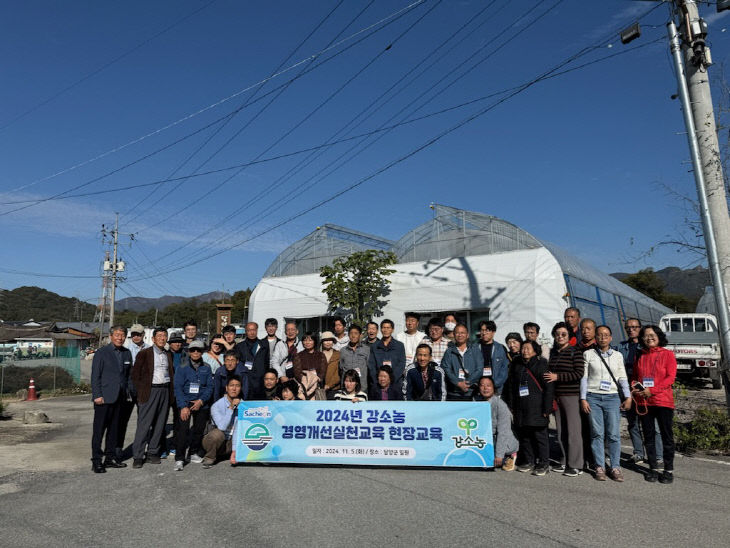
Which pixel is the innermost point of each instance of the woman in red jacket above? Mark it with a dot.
(656, 369)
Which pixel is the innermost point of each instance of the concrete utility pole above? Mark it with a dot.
(697, 59)
(113, 267)
(714, 251)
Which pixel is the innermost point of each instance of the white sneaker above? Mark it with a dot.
(179, 465)
(197, 459)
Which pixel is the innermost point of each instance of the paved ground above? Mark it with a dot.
(48, 495)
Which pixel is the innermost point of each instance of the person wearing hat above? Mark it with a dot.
(193, 392)
(175, 344)
(136, 333)
(332, 375)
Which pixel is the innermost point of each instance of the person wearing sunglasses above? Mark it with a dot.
(214, 356)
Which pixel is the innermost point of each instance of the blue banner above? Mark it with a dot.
(372, 433)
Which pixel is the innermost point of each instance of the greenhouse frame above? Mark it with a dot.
(475, 265)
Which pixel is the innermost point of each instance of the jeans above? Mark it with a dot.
(605, 419)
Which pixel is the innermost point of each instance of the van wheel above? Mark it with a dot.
(716, 383)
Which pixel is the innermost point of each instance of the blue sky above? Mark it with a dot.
(578, 159)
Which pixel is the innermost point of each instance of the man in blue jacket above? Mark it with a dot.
(463, 366)
(110, 387)
(387, 351)
(193, 392)
(231, 367)
(494, 355)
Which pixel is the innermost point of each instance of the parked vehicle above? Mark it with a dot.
(696, 344)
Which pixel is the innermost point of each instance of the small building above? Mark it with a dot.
(476, 265)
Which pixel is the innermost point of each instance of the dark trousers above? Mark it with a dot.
(125, 412)
(106, 420)
(568, 422)
(664, 417)
(534, 444)
(151, 420)
(586, 434)
(187, 436)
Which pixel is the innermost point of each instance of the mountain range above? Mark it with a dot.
(142, 304)
(689, 283)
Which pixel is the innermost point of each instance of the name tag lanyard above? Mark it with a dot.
(651, 380)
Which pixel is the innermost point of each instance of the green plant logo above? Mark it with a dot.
(467, 425)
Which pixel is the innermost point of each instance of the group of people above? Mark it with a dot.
(581, 378)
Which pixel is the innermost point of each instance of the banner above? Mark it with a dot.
(394, 433)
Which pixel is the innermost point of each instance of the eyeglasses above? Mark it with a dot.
(195, 350)
(633, 327)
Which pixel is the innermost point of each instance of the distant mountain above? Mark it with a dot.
(142, 304)
(24, 303)
(689, 283)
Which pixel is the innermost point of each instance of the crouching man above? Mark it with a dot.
(218, 441)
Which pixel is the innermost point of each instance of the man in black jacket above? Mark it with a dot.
(109, 388)
(253, 353)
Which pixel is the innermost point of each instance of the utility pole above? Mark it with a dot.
(712, 218)
(697, 59)
(113, 267)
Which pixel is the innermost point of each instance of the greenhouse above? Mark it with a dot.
(475, 265)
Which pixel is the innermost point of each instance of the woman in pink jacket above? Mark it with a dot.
(656, 369)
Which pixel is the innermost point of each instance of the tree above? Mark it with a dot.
(650, 284)
(357, 284)
(647, 282)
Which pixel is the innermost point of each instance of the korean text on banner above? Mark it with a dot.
(370, 433)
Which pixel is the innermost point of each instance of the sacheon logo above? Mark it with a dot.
(257, 437)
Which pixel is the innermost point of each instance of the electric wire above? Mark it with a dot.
(373, 60)
(181, 139)
(312, 181)
(103, 67)
(233, 115)
(384, 22)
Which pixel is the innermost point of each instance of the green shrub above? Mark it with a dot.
(709, 430)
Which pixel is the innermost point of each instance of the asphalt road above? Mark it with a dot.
(48, 495)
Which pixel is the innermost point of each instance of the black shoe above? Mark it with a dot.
(153, 459)
(98, 468)
(137, 463)
(666, 477)
(110, 463)
(652, 476)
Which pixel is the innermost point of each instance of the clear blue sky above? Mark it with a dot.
(576, 159)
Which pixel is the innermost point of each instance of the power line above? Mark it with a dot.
(395, 15)
(391, 164)
(44, 275)
(149, 155)
(268, 189)
(303, 120)
(233, 115)
(330, 144)
(104, 66)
